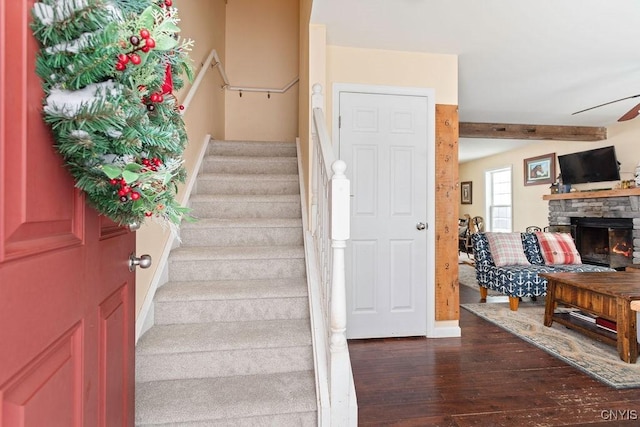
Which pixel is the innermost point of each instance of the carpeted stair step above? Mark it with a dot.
(241, 262)
(252, 148)
(248, 184)
(221, 349)
(243, 232)
(231, 300)
(231, 341)
(233, 206)
(250, 165)
(282, 399)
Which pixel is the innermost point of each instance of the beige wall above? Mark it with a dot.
(336, 64)
(204, 22)
(392, 68)
(304, 87)
(262, 51)
(528, 206)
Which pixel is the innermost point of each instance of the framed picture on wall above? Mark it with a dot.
(540, 170)
(465, 192)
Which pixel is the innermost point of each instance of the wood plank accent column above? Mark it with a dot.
(447, 211)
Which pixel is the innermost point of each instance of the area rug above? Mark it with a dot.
(601, 361)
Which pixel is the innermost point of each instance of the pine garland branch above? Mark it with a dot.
(62, 21)
(104, 66)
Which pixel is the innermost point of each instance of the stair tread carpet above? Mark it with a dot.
(245, 177)
(243, 223)
(256, 198)
(225, 398)
(238, 252)
(232, 289)
(253, 148)
(220, 336)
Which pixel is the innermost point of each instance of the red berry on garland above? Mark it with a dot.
(121, 193)
(123, 58)
(146, 162)
(135, 195)
(157, 161)
(154, 97)
(144, 33)
(113, 181)
(145, 49)
(134, 40)
(135, 58)
(160, 98)
(151, 43)
(181, 107)
(168, 3)
(120, 66)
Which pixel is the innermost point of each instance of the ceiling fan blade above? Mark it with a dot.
(631, 114)
(607, 103)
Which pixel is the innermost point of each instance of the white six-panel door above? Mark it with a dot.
(383, 139)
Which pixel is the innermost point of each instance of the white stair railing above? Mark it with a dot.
(329, 230)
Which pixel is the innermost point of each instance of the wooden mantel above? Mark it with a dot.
(593, 194)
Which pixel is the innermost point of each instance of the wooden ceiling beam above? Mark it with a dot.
(532, 132)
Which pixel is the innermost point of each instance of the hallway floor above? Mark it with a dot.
(488, 377)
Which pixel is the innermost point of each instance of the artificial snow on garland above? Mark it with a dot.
(109, 69)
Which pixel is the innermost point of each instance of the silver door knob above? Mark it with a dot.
(143, 262)
(421, 226)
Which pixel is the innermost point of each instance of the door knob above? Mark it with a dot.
(421, 226)
(143, 262)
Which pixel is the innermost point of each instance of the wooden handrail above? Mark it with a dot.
(198, 80)
(213, 61)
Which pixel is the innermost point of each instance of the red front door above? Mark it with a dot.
(66, 293)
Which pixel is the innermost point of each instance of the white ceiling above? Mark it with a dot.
(523, 62)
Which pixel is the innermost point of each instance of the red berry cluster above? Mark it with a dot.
(133, 57)
(151, 164)
(155, 97)
(125, 192)
(167, 3)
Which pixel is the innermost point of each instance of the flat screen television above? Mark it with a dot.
(596, 165)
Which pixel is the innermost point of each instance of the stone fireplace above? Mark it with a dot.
(605, 224)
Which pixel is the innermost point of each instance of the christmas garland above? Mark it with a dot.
(108, 70)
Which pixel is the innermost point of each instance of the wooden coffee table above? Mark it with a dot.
(604, 294)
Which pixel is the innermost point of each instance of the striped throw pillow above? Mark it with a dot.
(558, 248)
(506, 249)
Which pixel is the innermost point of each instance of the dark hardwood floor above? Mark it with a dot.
(488, 377)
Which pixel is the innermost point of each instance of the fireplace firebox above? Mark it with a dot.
(604, 241)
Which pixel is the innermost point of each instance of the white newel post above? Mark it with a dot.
(340, 369)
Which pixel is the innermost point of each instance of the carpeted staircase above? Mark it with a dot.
(231, 344)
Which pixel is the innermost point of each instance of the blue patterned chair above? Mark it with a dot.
(517, 281)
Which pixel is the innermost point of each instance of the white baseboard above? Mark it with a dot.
(446, 329)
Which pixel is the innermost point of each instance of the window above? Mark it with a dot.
(498, 193)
